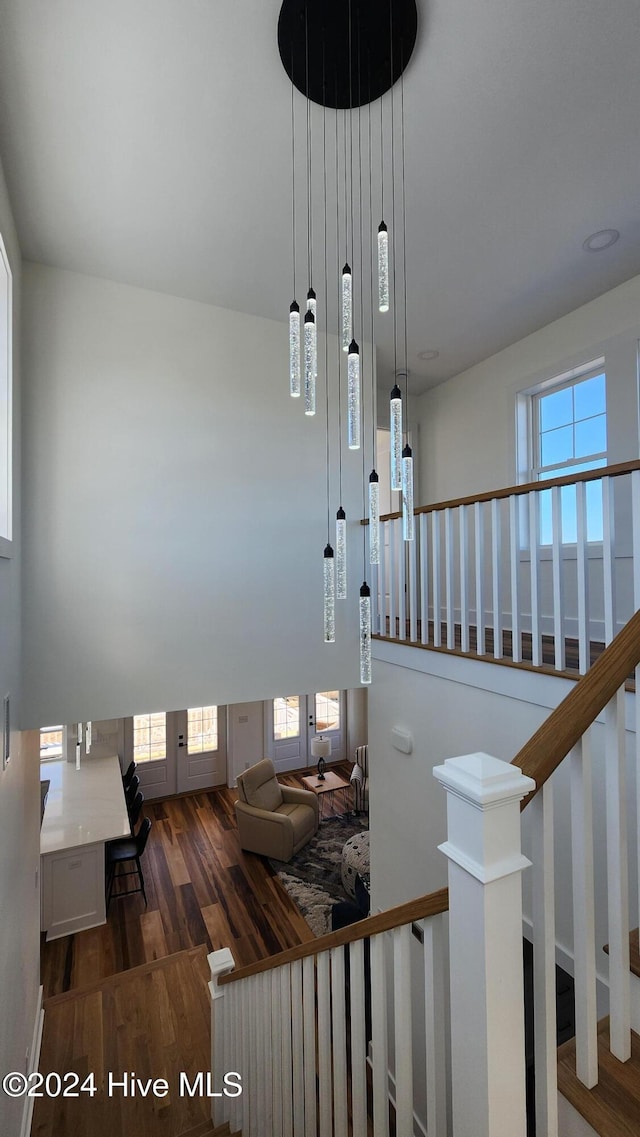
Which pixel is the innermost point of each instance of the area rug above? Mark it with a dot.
(313, 878)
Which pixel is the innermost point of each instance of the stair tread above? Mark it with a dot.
(612, 1107)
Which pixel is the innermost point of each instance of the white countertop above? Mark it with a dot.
(84, 806)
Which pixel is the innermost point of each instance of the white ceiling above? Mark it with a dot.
(148, 141)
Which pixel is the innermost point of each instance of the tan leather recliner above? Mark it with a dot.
(273, 820)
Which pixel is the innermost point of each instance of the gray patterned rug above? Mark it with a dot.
(313, 877)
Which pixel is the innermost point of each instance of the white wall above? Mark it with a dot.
(175, 508)
(456, 706)
(19, 784)
(467, 425)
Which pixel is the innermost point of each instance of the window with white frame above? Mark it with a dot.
(51, 742)
(569, 436)
(149, 737)
(202, 730)
(5, 401)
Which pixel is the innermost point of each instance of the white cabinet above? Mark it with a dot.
(73, 890)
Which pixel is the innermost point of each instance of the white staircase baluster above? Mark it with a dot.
(435, 1027)
(245, 1030)
(635, 529)
(403, 1028)
(277, 1079)
(379, 1036)
(392, 573)
(558, 582)
(220, 963)
(265, 1124)
(412, 554)
(338, 1042)
(402, 589)
(544, 963)
(227, 1049)
(382, 578)
(582, 569)
(479, 551)
(287, 1073)
(496, 576)
(297, 1046)
(252, 1070)
(324, 1045)
(309, 1004)
(534, 576)
(463, 545)
(617, 879)
(448, 572)
(358, 1039)
(584, 937)
(514, 557)
(235, 1114)
(435, 554)
(608, 559)
(424, 577)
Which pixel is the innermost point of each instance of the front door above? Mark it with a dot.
(293, 720)
(178, 751)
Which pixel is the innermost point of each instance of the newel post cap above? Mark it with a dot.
(221, 963)
(483, 781)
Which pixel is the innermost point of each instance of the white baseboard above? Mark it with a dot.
(34, 1062)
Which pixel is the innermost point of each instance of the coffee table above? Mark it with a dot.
(328, 785)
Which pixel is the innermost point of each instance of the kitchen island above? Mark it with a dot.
(84, 809)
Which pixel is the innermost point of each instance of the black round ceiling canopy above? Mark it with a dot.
(321, 27)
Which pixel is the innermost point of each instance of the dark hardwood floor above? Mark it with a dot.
(201, 890)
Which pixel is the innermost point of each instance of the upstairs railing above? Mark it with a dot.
(356, 1024)
(544, 573)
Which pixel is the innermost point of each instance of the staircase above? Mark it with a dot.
(359, 1032)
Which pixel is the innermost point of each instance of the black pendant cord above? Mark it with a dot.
(293, 180)
(362, 399)
(326, 285)
(339, 301)
(404, 251)
(309, 241)
(381, 156)
(393, 201)
(351, 162)
(373, 350)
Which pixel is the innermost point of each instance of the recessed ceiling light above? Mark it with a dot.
(603, 239)
(426, 355)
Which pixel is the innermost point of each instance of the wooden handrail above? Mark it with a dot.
(560, 732)
(418, 909)
(527, 487)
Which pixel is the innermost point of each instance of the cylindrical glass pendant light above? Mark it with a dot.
(374, 518)
(407, 494)
(87, 737)
(353, 396)
(312, 306)
(294, 350)
(396, 438)
(383, 268)
(310, 363)
(347, 307)
(341, 554)
(329, 596)
(365, 634)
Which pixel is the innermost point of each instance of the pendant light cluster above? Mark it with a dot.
(344, 56)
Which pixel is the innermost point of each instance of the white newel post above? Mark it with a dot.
(221, 963)
(485, 934)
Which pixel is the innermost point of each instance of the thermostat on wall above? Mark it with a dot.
(401, 740)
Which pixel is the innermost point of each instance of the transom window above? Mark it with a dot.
(569, 423)
(149, 737)
(286, 717)
(202, 729)
(327, 714)
(51, 742)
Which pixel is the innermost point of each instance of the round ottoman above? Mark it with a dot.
(355, 860)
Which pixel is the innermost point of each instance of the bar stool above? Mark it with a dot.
(123, 850)
(128, 774)
(131, 791)
(134, 812)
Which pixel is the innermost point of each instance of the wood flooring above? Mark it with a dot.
(202, 889)
(154, 1021)
(612, 1107)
